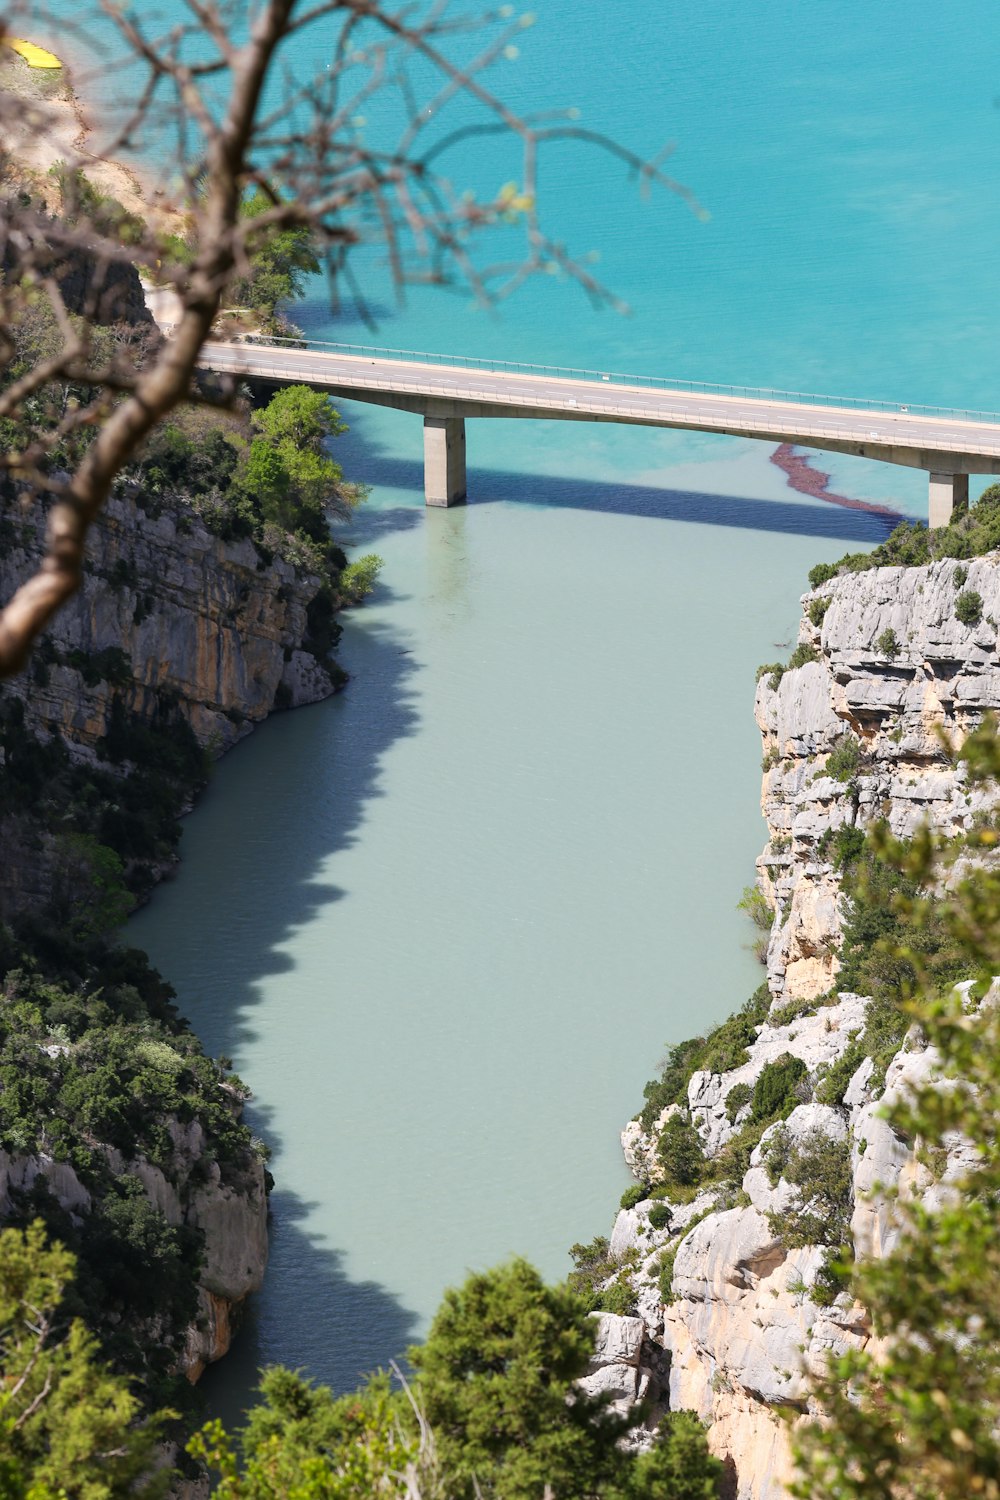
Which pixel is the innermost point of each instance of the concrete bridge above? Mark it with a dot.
(950, 445)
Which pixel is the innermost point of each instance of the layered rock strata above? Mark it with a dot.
(849, 736)
(170, 617)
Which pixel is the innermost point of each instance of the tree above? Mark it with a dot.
(914, 1416)
(69, 1429)
(496, 1382)
(493, 1412)
(82, 405)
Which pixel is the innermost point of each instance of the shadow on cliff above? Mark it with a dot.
(363, 458)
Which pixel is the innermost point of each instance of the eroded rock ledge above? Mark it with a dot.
(738, 1307)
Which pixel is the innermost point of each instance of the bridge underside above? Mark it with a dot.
(444, 442)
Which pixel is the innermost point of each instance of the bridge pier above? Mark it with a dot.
(948, 493)
(444, 460)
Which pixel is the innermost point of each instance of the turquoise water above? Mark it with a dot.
(445, 923)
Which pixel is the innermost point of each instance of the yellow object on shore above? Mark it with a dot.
(35, 57)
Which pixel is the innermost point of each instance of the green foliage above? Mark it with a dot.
(970, 533)
(841, 846)
(775, 1093)
(818, 608)
(887, 643)
(357, 580)
(959, 576)
(303, 1443)
(739, 1095)
(802, 654)
(634, 1194)
(69, 1429)
(678, 1466)
(496, 1385)
(917, 1419)
(280, 260)
(493, 1413)
(755, 904)
(821, 573)
(969, 607)
(665, 1277)
(680, 1152)
(660, 1216)
(819, 1168)
(845, 759)
(592, 1264)
(723, 1049)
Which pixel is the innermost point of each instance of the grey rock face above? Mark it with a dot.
(742, 1327)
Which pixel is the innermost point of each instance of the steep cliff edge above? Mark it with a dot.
(759, 1148)
(114, 1126)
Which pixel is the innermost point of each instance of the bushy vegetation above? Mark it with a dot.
(775, 670)
(724, 1048)
(776, 1091)
(969, 607)
(268, 476)
(971, 533)
(845, 759)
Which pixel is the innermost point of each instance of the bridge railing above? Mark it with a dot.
(614, 377)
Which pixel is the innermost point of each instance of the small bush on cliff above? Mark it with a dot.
(887, 643)
(723, 1049)
(969, 607)
(680, 1152)
(739, 1095)
(971, 533)
(776, 1091)
(820, 1170)
(845, 759)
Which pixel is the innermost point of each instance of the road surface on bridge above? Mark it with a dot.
(955, 443)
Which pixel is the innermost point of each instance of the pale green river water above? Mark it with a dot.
(445, 923)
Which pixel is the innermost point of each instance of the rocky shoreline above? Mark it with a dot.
(733, 1303)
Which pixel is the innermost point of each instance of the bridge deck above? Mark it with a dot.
(945, 442)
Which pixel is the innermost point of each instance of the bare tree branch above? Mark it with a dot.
(79, 414)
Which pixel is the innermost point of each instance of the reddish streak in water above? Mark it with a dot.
(809, 481)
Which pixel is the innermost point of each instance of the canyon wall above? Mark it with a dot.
(732, 1297)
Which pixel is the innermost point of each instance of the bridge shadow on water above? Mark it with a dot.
(813, 518)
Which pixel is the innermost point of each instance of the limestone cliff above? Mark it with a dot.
(208, 623)
(740, 1307)
(175, 625)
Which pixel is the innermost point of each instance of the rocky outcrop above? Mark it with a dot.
(167, 611)
(895, 669)
(172, 621)
(741, 1307)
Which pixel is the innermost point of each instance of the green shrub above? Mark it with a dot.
(680, 1152)
(959, 576)
(822, 573)
(969, 607)
(618, 1298)
(845, 759)
(633, 1195)
(660, 1216)
(665, 1278)
(775, 1094)
(755, 904)
(887, 643)
(773, 671)
(739, 1095)
(818, 608)
(722, 1050)
(802, 654)
(358, 579)
(820, 1168)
